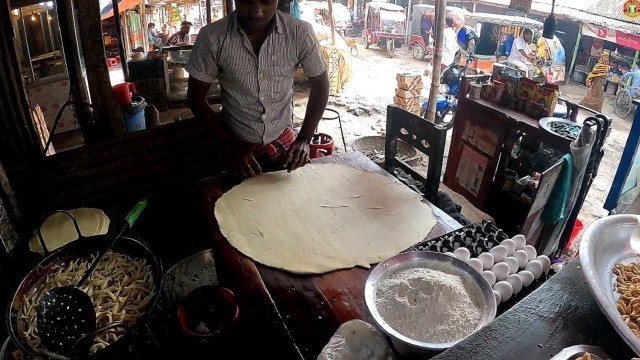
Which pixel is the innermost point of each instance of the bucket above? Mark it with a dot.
(123, 92)
(134, 119)
(321, 146)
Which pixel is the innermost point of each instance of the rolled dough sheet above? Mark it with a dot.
(58, 229)
(322, 217)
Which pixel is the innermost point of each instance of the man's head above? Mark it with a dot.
(185, 27)
(527, 34)
(255, 15)
(449, 21)
(151, 26)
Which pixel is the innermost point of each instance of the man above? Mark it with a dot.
(181, 36)
(634, 75)
(425, 28)
(253, 53)
(521, 55)
(614, 71)
(450, 45)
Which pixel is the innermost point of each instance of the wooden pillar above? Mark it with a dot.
(19, 141)
(575, 51)
(108, 117)
(208, 6)
(66, 21)
(123, 54)
(331, 23)
(228, 6)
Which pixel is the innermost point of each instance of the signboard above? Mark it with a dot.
(615, 36)
(520, 5)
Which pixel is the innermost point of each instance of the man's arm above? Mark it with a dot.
(318, 98)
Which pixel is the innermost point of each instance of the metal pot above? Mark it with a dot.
(72, 251)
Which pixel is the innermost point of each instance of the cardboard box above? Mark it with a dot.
(407, 93)
(406, 102)
(409, 81)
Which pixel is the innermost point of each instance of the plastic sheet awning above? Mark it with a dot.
(107, 11)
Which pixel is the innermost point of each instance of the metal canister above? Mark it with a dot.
(475, 91)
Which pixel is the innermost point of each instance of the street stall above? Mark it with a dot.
(513, 149)
(167, 256)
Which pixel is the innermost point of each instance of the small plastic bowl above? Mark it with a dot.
(208, 312)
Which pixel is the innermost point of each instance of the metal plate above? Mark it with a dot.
(545, 123)
(430, 260)
(605, 243)
(574, 352)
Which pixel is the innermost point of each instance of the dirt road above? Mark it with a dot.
(372, 89)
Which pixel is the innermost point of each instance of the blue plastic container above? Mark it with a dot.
(134, 116)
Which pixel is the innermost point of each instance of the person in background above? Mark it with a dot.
(521, 54)
(613, 72)
(181, 36)
(154, 40)
(253, 53)
(594, 98)
(634, 75)
(425, 28)
(450, 44)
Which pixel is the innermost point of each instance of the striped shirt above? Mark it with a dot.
(257, 91)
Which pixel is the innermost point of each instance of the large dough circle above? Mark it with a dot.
(322, 217)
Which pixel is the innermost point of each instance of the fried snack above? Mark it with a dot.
(628, 285)
(586, 356)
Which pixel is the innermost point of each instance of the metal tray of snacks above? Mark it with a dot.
(581, 352)
(606, 245)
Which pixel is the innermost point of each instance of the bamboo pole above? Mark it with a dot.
(208, 6)
(123, 54)
(333, 35)
(575, 51)
(441, 9)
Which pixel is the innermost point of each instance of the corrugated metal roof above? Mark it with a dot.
(585, 11)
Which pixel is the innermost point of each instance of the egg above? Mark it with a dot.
(490, 276)
(546, 263)
(535, 267)
(462, 253)
(505, 289)
(501, 270)
(527, 277)
(487, 260)
(520, 242)
(499, 253)
(531, 252)
(516, 282)
(522, 257)
(510, 245)
(476, 264)
(513, 264)
(498, 297)
(449, 254)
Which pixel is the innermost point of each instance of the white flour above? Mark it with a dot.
(428, 305)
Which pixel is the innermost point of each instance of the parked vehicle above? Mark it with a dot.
(384, 26)
(341, 15)
(496, 34)
(419, 49)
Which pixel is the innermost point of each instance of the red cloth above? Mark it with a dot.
(278, 147)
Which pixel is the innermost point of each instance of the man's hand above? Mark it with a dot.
(244, 164)
(297, 156)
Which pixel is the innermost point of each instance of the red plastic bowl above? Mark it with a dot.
(208, 311)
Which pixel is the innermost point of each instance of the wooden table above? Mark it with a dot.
(301, 312)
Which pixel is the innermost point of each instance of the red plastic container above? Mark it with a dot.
(321, 145)
(577, 227)
(123, 93)
(208, 312)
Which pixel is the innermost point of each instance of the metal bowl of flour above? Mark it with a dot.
(435, 261)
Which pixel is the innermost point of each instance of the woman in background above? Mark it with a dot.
(594, 98)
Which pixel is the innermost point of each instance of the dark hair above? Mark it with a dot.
(186, 23)
(151, 25)
(525, 31)
(449, 21)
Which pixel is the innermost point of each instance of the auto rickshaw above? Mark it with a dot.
(384, 26)
(496, 36)
(419, 49)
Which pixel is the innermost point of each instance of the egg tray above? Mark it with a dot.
(478, 238)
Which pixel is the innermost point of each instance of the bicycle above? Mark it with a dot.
(624, 100)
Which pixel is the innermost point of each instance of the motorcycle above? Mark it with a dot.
(452, 81)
